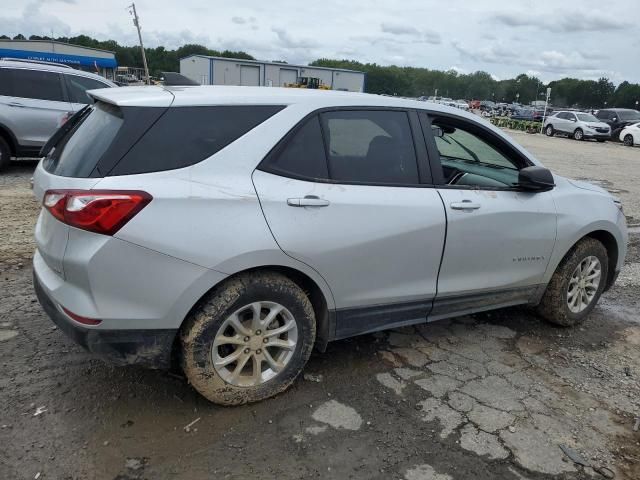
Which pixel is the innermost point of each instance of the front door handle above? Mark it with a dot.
(16, 104)
(465, 205)
(308, 201)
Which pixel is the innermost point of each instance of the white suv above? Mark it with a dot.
(239, 227)
(35, 98)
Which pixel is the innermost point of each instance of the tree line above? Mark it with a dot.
(402, 81)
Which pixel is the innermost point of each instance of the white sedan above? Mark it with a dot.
(630, 135)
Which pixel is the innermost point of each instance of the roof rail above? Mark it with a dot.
(41, 62)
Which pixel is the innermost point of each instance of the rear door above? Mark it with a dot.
(354, 204)
(37, 105)
(499, 238)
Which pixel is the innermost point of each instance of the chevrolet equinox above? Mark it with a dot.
(237, 228)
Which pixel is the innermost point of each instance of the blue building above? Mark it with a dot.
(88, 59)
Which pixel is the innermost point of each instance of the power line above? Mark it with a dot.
(136, 22)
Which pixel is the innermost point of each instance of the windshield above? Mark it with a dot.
(630, 115)
(586, 117)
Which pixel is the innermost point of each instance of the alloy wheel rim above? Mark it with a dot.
(628, 140)
(254, 344)
(583, 284)
(549, 130)
(578, 135)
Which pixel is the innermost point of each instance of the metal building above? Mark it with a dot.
(208, 70)
(88, 59)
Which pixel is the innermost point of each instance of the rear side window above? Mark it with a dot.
(184, 136)
(303, 155)
(78, 152)
(370, 146)
(36, 84)
(78, 86)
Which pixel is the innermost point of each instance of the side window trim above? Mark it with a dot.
(477, 130)
(434, 154)
(420, 145)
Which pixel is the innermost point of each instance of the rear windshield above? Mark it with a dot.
(129, 140)
(89, 139)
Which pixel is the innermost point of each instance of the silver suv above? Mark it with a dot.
(35, 98)
(577, 125)
(236, 228)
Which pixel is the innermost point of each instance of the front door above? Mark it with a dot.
(358, 214)
(499, 239)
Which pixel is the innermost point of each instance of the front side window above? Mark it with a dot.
(370, 146)
(37, 85)
(630, 116)
(469, 160)
(78, 87)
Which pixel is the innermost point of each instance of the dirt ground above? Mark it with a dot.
(490, 396)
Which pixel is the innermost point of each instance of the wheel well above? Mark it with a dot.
(6, 135)
(609, 242)
(306, 283)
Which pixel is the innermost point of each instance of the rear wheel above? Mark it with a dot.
(549, 131)
(249, 339)
(5, 154)
(578, 134)
(628, 140)
(576, 285)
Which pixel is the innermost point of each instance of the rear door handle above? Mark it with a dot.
(465, 205)
(308, 201)
(15, 104)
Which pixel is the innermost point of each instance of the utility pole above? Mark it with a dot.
(136, 22)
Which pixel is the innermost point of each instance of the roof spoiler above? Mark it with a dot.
(174, 79)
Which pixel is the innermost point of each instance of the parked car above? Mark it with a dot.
(618, 118)
(462, 104)
(34, 99)
(487, 106)
(630, 135)
(523, 114)
(236, 228)
(577, 125)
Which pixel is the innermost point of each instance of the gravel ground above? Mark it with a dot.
(490, 396)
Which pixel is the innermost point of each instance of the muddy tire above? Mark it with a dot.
(248, 339)
(557, 304)
(5, 154)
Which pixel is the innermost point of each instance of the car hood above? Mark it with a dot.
(587, 186)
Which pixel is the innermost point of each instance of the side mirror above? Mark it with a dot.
(437, 132)
(535, 179)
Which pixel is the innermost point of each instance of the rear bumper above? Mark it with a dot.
(150, 348)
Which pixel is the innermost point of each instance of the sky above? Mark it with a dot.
(546, 38)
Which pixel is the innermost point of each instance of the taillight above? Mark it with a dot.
(99, 211)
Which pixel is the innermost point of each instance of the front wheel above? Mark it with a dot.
(248, 339)
(549, 131)
(576, 285)
(628, 140)
(578, 135)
